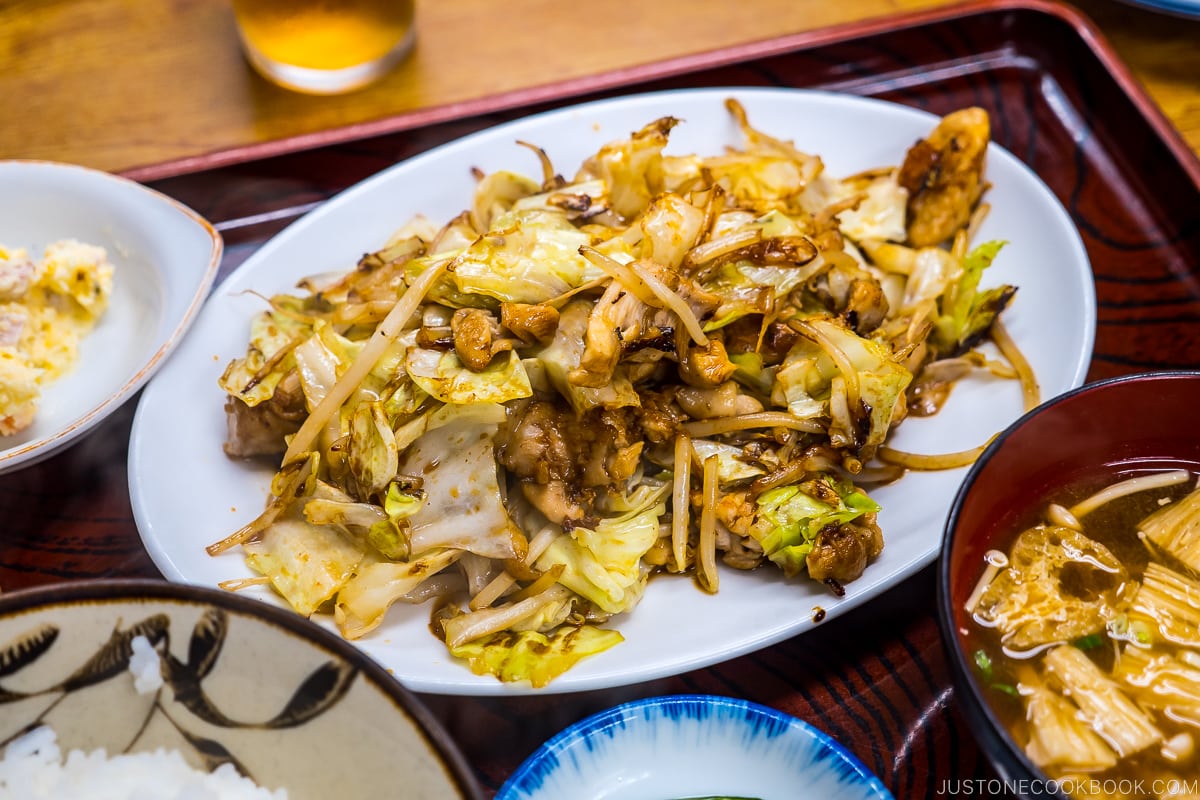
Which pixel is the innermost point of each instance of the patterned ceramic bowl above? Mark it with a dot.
(692, 746)
(134, 666)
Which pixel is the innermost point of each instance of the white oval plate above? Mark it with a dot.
(165, 257)
(186, 493)
(695, 746)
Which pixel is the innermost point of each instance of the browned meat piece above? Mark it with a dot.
(735, 511)
(944, 176)
(536, 447)
(658, 419)
(562, 459)
(615, 313)
(705, 367)
(842, 552)
(743, 553)
(777, 342)
(919, 162)
(476, 339)
(621, 324)
(260, 430)
(866, 307)
(725, 400)
(553, 499)
(530, 323)
(854, 294)
(438, 337)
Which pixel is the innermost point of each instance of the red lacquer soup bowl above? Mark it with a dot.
(1131, 424)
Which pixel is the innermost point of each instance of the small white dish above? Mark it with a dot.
(692, 746)
(180, 422)
(165, 258)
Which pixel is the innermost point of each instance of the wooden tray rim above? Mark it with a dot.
(682, 65)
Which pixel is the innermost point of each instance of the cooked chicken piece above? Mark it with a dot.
(705, 367)
(553, 499)
(743, 552)
(615, 312)
(842, 552)
(867, 306)
(944, 176)
(536, 448)
(735, 511)
(622, 323)
(476, 338)
(854, 294)
(725, 400)
(561, 459)
(260, 430)
(658, 419)
(530, 323)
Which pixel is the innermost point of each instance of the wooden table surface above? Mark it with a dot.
(121, 84)
(127, 86)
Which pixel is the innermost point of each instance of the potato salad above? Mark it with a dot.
(47, 306)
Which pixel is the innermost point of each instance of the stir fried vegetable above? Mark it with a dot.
(660, 365)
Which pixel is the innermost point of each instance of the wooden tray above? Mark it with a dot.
(877, 681)
(1059, 98)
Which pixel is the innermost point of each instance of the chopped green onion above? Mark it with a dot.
(984, 662)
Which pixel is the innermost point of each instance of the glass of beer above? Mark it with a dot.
(324, 46)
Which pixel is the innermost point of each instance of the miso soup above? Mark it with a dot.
(1085, 640)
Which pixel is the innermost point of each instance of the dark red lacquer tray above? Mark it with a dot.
(876, 680)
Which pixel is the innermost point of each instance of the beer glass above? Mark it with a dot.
(324, 46)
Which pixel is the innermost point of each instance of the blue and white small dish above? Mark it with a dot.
(691, 746)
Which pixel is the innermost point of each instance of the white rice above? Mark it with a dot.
(33, 767)
(145, 666)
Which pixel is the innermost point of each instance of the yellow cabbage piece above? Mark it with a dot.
(532, 656)
(307, 564)
(605, 565)
(445, 377)
(462, 507)
(376, 585)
